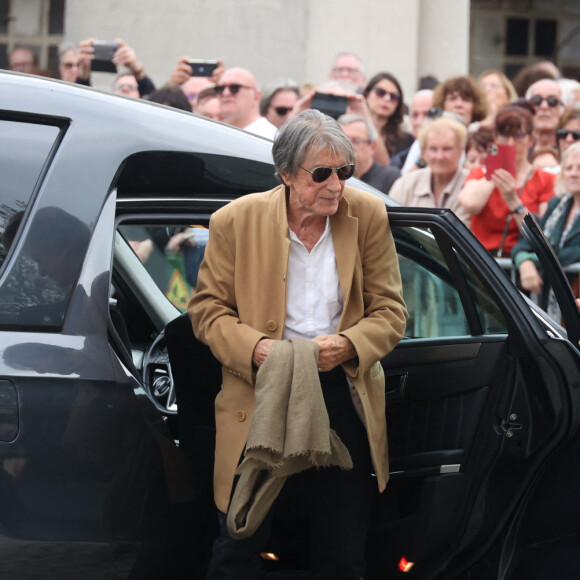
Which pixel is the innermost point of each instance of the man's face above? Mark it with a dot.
(21, 60)
(127, 85)
(347, 67)
(240, 99)
(419, 109)
(547, 116)
(69, 66)
(281, 106)
(191, 88)
(442, 152)
(210, 108)
(363, 147)
(308, 198)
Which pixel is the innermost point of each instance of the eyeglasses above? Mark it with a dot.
(382, 93)
(282, 110)
(69, 65)
(357, 142)
(563, 134)
(234, 88)
(322, 173)
(536, 101)
(125, 87)
(337, 70)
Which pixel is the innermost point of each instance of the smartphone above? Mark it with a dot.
(103, 56)
(332, 105)
(500, 157)
(202, 67)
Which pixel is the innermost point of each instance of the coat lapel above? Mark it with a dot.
(345, 240)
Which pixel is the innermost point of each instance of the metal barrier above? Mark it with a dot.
(508, 266)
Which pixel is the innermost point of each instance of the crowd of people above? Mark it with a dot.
(430, 152)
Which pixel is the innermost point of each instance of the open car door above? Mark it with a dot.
(556, 277)
(478, 396)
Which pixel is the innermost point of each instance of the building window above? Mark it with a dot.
(36, 24)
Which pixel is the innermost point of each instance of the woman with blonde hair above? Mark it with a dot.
(499, 92)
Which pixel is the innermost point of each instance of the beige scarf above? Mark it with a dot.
(290, 432)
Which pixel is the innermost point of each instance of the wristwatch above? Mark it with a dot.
(521, 208)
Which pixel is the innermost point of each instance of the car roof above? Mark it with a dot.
(117, 127)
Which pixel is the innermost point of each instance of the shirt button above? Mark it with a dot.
(271, 325)
(241, 416)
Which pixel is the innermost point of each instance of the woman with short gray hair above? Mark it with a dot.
(310, 265)
(278, 100)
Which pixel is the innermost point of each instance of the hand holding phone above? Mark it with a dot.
(202, 67)
(500, 157)
(103, 54)
(331, 105)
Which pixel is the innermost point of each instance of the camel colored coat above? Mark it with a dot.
(241, 298)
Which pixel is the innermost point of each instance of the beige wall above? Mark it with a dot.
(274, 38)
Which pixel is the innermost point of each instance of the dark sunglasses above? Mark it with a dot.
(282, 110)
(322, 173)
(382, 93)
(536, 101)
(234, 88)
(563, 134)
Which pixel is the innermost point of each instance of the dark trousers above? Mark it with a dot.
(338, 501)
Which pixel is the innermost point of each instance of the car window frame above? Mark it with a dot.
(555, 274)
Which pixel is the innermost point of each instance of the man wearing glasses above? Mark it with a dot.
(239, 97)
(546, 98)
(348, 70)
(309, 265)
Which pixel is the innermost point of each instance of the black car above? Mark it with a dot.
(106, 397)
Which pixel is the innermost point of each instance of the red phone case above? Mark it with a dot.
(500, 157)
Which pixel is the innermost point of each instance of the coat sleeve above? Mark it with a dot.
(385, 313)
(213, 310)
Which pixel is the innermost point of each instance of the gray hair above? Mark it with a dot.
(345, 53)
(309, 132)
(276, 87)
(372, 134)
(65, 47)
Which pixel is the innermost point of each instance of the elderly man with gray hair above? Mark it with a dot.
(363, 136)
(309, 266)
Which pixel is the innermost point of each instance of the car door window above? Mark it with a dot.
(171, 253)
(24, 149)
(444, 296)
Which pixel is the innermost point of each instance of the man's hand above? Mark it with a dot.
(261, 351)
(125, 55)
(334, 349)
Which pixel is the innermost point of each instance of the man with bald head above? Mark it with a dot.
(239, 97)
(546, 97)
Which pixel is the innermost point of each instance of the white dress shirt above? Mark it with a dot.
(313, 295)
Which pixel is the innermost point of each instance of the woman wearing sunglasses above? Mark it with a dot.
(384, 97)
(498, 202)
(561, 225)
(312, 259)
(278, 100)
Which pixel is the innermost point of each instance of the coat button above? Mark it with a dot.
(241, 416)
(271, 325)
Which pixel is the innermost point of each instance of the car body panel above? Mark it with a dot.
(481, 391)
